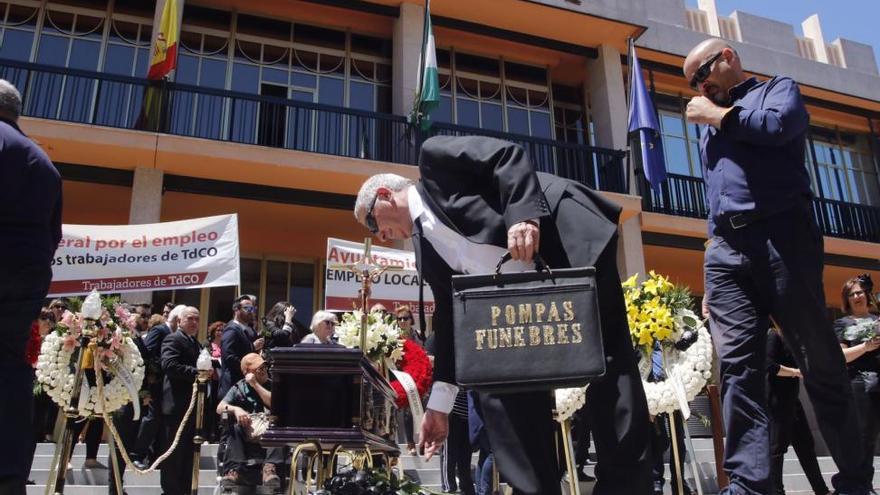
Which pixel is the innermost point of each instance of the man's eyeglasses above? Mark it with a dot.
(249, 309)
(405, 318)
(370, 219)
(331, 323)
(704, 70)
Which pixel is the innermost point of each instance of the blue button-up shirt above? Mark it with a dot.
(755, 162)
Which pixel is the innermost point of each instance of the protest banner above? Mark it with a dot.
(391, 288)
(200, 252)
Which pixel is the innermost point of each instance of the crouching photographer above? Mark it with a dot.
(247, 406)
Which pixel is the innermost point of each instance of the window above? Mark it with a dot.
(494, 94)
(844, 165)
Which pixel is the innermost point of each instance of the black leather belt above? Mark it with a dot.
(740, 220)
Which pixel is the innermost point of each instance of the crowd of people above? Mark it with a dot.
(477, 199)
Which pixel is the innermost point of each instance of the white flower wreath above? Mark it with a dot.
(55, 374)
(692, 368)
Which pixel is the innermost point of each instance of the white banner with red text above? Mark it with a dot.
(187, 254)
(392, 288)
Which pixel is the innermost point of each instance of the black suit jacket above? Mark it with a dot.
(179, 355)
(236, 341)
(480, 187)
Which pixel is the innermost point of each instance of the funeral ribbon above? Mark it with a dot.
(122, 373)
(412, 395)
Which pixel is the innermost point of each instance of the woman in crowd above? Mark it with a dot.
(279, 327)
(857, 333)
(407, 327)
(323, 326)
(215, 332)
(788, 423)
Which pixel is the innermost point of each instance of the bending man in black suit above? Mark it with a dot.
(476, 197)
(180, 351)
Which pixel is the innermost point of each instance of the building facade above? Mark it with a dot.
(279, 110)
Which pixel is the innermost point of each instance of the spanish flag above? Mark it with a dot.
(165, 51)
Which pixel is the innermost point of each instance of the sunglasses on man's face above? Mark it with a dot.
(704, 70)
(249, 309)
(370, 219)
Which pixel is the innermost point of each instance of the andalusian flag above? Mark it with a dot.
(429, 84)
(165, 52)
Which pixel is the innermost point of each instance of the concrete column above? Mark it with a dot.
(607, 98)
(813, 31)
(711, 10)
(407, 48)
(630, 250)
(146, 207)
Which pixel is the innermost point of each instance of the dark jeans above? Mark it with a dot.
(240, 453)
(176, 475)
(660, 444)
(788, 426)
(581, 434)
(773, 267)
(484, 472)
(456, 458)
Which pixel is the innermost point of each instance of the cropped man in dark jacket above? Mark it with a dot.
(180, 351)
(239, 339)
(476, 197)
(30, 219)
(150, 436)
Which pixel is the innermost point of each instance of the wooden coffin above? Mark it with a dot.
(331, 394)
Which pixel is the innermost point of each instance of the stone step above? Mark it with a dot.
(207, 477)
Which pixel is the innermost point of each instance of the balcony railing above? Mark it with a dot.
(683, 195)
(134, 103)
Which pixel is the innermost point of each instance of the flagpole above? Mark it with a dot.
(424, 55)
(630, 174)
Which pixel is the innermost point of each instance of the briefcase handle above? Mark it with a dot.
(540, 265)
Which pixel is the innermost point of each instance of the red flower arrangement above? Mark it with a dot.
(34, 343)
(415, 362)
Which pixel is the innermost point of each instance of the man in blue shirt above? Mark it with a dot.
(765, 259)
(30, 220)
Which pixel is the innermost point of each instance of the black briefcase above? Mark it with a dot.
(536, 330)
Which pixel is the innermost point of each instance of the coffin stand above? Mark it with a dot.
(328, 400)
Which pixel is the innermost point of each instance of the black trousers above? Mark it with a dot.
(456, 458)
(93, 437)
(660, 444)
(868, 406)
(176, 470)
(127, 428)
(22, 290)
(773, 267)
(150, 437)
(581, 434)
(788, 426)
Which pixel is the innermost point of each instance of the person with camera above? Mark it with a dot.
(247, 403)
(859, 336)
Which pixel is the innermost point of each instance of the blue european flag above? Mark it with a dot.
(643, 118)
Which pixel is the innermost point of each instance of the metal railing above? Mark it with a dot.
(134, 103)
(686, 196)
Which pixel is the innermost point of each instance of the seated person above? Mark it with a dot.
(250, 395)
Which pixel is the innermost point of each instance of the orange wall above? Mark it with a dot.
(95, 204)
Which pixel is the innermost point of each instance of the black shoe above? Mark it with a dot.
(141, 465)
(582, 476)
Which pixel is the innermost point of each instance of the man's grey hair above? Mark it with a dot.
(370, 189)
(176, 313)
(10, 100)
